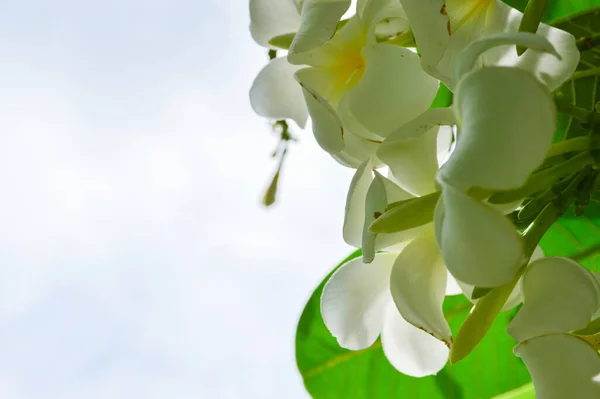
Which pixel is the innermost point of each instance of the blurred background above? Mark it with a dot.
(135, 257)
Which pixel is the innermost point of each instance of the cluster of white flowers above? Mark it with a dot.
(428, 229)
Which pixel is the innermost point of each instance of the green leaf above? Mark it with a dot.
(576, 237)
(407, 214)
(443, 97)
(330, 371)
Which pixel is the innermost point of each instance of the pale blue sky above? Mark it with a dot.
(135, 259)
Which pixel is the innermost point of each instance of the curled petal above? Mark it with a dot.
(418, 286)
(504, 138)
(356, 151)
(480, 246)
(429, 24)
(271, 18)
(468, 57)
(354, 216)
(319, 23)
(392, 90)
(551, 70)
(411, 351)
(559, 295)
(411, 151)
(561, 366)
(326, 126)
(276, 94)
(355, 300)
(381, 193)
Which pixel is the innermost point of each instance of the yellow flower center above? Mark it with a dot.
(348, 62)
(464, 11)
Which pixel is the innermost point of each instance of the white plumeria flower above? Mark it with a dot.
(401, 291)
(560, 296)
(443, 28)
(359, 89)
(499, 143)
(275, 94)
(357, 306)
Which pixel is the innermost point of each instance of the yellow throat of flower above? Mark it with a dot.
(349, 63)
(461, 12)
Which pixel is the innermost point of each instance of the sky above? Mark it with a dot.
(135, 257)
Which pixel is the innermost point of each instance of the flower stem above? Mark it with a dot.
(588, 43)
(546, 218)
(541, 180)
(586, 74)
(582, 114)
(572, 145)
(532, 17)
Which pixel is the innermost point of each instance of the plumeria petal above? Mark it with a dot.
(271, 18)
(501, 141)
(429, 23)
(418, 286)
(559, 295)
(411, 151)
(325, 123)
(382, 192)
(356, 151)
(550, 70)
(561, 366)
(480, 246)
(355, 300)
(442, 29)
(374, 13)
(375, 205)
(515, 297)
(411, 351)
(319, 23)
(392, 90)
(354, 217)
(276, 94)
(469, 56)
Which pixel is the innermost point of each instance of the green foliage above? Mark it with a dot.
(333, 372)
(576, 237)
(557, 9)
(524, 392)
(581, 90)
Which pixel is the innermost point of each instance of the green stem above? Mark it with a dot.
(532, 16)
(541, 180)
(586, 74)
(565, 107)
(588, 43)
(546, 218)
(571, 145)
